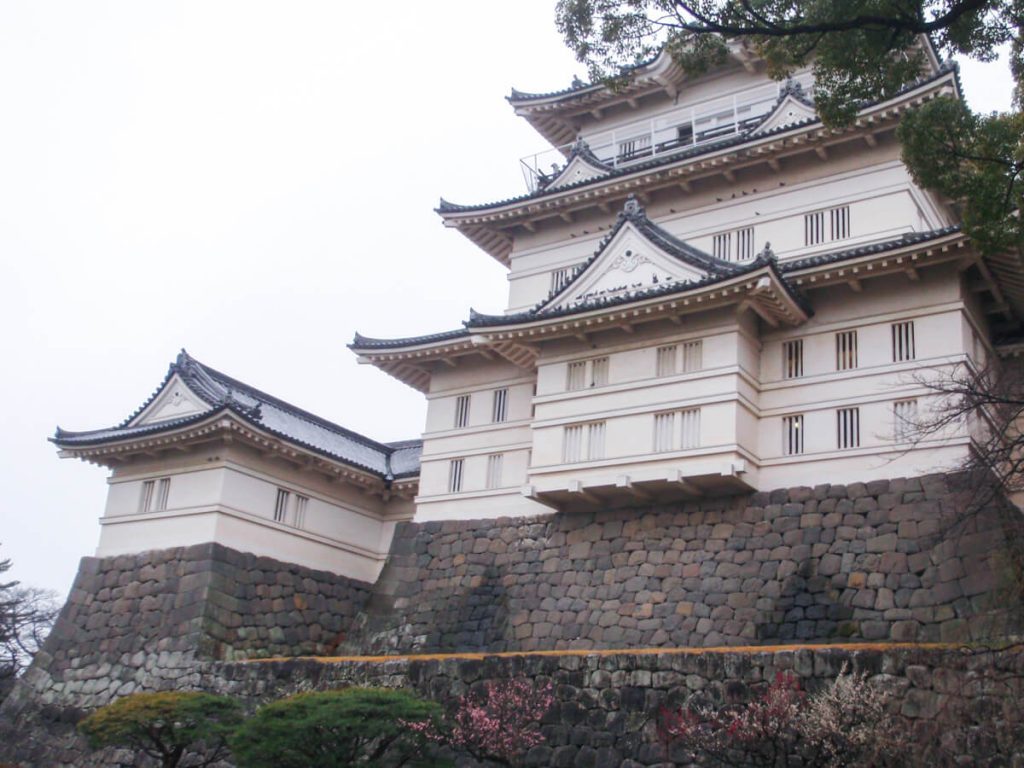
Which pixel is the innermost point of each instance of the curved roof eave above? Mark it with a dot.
(451, 212)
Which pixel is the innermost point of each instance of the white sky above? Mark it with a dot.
(253, 181)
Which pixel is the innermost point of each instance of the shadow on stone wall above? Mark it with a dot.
(888, 560)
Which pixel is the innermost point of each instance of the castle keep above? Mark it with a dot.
(692, 427)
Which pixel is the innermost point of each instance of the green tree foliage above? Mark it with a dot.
(859, 50)
(329, 729)
(178, 728)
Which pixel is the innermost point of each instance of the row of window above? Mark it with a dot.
(903, 349)
(669, 360)
(457, 471)
(295, 503)
(499, 408)
(738, 244)
(154, 495)
(848, 427)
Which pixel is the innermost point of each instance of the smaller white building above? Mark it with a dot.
(210, 459)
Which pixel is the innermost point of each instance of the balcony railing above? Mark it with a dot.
(679, 129)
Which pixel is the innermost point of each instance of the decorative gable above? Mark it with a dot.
(583, 165)
(792, 108)
(630, 261)
(174, 401)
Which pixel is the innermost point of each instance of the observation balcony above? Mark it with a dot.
(678, 129)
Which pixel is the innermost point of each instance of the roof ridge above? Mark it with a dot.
(268, 399)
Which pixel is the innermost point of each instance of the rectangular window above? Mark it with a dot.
(595, 440)
(455, 467)
(690, 432)
(664, 431)
(846, 350)
(299, 516)
(723, 246)
(587, 373)
(494, 466)
(847, 428)
(163, 490)
(793, 359)
(576, 376)
(839, 218)
(666, 360)
(560, 278)
(499, 408)
(572, 444)
(793, 435)
(692, 356)
(745, 244)
(814, 228)
(281, 505)
(838, 225)
(461, 411)
(903, 341)
(904, 420)
(583, 442)
(146, 499)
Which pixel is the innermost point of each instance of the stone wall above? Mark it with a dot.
(141, 622)
(607, 704)
(889, 560)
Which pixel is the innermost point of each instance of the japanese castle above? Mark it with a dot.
(710, 293)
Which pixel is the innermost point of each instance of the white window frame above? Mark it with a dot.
(904, 347)
(583, 442)
(281, 505)
(666, 362)
(846, 350)
(299, 511)
(793, 434)
(847, 428)
(793, 359)
(495, 467)
(904, 420)
(585, 374)
(456, 475)
(462, 411)
(499, 406)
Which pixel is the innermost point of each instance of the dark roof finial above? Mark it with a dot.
(632, 209)
(577, 83)
(767, 254)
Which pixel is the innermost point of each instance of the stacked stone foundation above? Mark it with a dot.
(882, 563)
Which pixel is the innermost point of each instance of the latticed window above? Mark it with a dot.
(693, 353)
(839, 220)
(583, 442)
(722, 245)
(666, 360)
(494, 468)
(846, 350)
(154, 495)
(163, 490)
(281, 505)
(146, 498)
(814, 228)
(583, 374)
(793, 434)
(904, 420)
(847, 428)
(664, 431)
(734, 246)
(903, 341)
(793, 359)
(499, 408)
(455, 470)
(461, 411)
(689, 434)
(299, 517)
(744, 244)
(560, 278)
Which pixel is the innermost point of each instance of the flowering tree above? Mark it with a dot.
(762, 732)
(844, 724)
(500, 724)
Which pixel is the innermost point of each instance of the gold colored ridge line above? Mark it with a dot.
(688, 651)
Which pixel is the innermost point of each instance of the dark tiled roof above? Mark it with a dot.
(911, 238)
(266, 412)
(366, 342)
(579, 150)
(633, 213)
(446, 206)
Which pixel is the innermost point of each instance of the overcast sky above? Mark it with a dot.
(254, 182)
